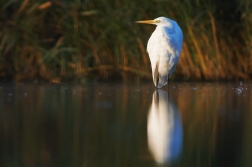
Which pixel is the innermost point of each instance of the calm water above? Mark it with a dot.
(98, 125)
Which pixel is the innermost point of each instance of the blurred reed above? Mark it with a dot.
(74, 40)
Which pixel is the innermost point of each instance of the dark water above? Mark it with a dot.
(97, 125)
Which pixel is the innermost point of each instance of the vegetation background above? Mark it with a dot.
(69, 40)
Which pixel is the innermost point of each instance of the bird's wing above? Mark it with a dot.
(171, 48)
(152, 49)
(163, 48)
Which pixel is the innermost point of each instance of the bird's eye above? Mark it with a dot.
(158, 21)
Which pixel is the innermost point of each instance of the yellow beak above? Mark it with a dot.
(147, 22)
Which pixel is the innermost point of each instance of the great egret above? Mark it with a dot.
(164, 48)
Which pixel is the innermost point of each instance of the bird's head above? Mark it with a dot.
(162, 21)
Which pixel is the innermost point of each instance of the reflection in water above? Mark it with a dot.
(164, 128)
(100, 125)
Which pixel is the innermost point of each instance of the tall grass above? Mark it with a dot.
(68, 40)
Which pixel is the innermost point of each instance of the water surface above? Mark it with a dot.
(105, 124)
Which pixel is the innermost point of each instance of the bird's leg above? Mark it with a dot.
(168, 82)
(157, 80)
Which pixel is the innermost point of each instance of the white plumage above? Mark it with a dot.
(164, 48)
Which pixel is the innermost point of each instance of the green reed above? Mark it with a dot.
(73, 40)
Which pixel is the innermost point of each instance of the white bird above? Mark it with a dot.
(164, 48)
